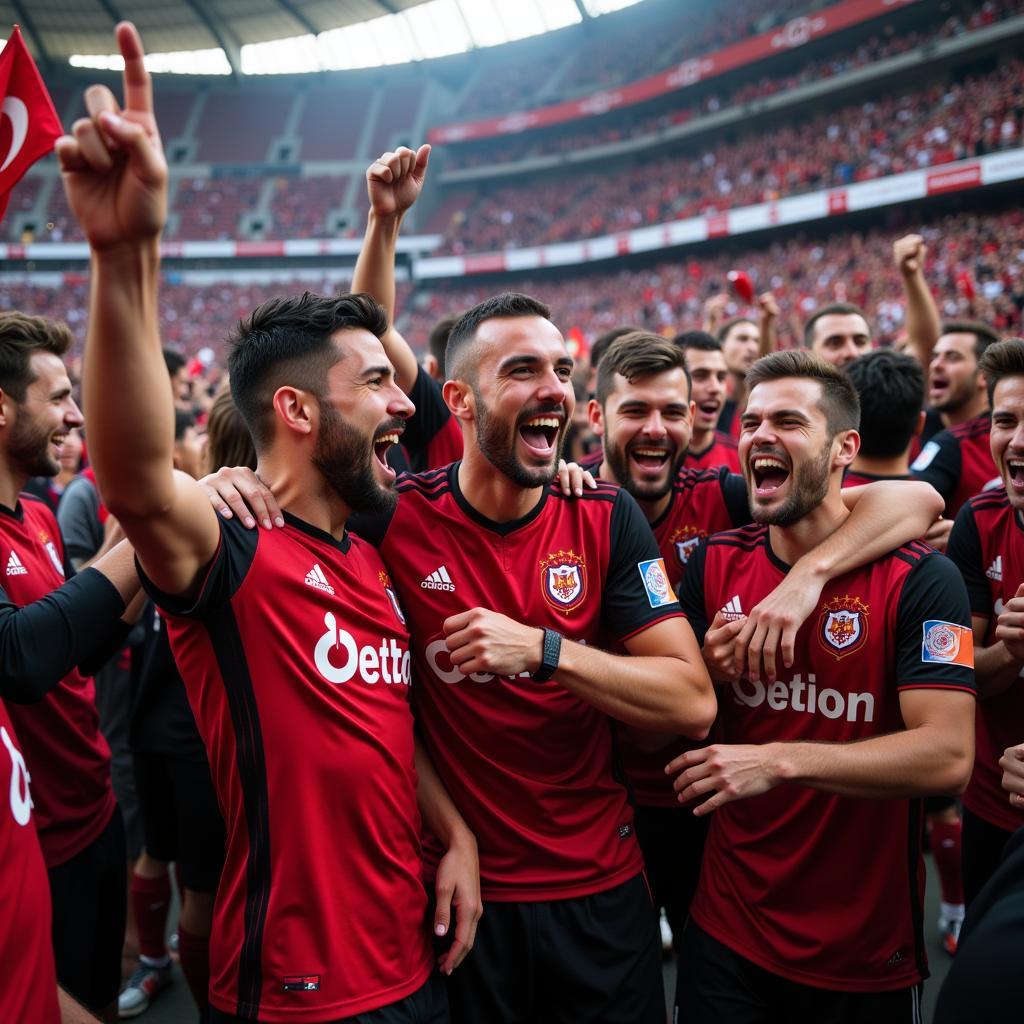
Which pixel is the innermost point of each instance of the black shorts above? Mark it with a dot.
(983, 846)
(427, 1005)
(718, 986)
(181, 819)
(90, 901)
(672, 839)
(587, 960)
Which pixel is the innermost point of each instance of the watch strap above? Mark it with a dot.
(551, 651)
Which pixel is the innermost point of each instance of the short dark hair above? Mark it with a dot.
(228, 441)
(723, 332)
(700, 341)
(983, 334)
(173, 360)
(838, 401)
(890, 386)
(832, 309)
(505, 305)
(635, 356)
(602, 341)
(1002, 359)
(20, 336)
(182, 421)
(437, 343)
(287, 341)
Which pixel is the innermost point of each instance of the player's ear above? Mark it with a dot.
(296, 409)
(6, 408)
(595, 416)
(458, 396)
(849, 445)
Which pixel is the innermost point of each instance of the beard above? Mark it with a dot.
(28, 447)
(497, 443)
(344, 458)
(810, 485)
(618, 462)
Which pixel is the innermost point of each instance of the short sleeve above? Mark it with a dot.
(934, 642)
(637, 592)
(224, 575)
(964, 550)
(691, 592)
(736, 498)
(940, 464)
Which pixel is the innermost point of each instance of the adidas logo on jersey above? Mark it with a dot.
(438, 580)
(732, 610)
(14, 566)
(995, 570)
(316, 578)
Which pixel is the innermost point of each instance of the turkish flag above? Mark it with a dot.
(29, 126)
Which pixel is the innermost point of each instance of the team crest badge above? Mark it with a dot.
(51, 550)
(685, 541)
(392, 596)
(564, 580)
(843, 626)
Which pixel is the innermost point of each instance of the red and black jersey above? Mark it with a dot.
(987, 545)
(296, 661)
(529, 765)
(432, 437)
(722, 451)
(28, 981)
(957, 462)
(703, 502)
(855, 478)
(66, 754)
(821, 889)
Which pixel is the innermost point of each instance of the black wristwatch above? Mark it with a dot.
(550, 653)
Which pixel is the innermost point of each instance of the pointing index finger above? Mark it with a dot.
(138, 89)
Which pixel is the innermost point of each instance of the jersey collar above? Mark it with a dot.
(317, 534)
(502, 529)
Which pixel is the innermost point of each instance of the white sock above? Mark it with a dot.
(155, 963)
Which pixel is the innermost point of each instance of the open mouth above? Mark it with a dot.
(57, 440)
(770, 472)
(939, 388)
(1015, 473)
(382, 443)
(540, 434)
(649, 460)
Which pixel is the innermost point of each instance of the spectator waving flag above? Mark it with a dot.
(29, 126)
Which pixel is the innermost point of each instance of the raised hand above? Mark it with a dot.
(113, 165)
(395, 180)
(908, 253)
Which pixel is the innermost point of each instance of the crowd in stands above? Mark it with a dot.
(933, 125)
(622, 53)
(624, 50)
(975, 268)
(622, 125)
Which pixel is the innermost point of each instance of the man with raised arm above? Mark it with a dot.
(292, 644)
(812, 785)
(394, 181)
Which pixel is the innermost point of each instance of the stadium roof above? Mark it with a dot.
(278, 36)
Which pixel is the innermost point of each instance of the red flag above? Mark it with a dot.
(742, 285)
(29, 126)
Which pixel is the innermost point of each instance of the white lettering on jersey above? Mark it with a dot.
(388, 662)
(797, 695)
(21, 798)
(449, 673)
